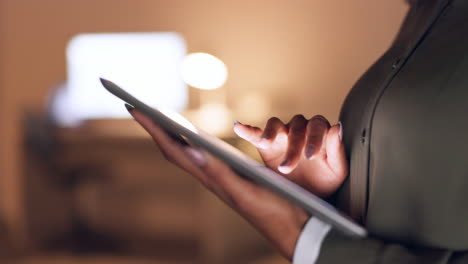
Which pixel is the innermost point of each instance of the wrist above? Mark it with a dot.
(287, 243)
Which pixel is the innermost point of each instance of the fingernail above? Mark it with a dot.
(340, 133)
(196, 156)
(178, 139)
(129, 107)
(309, 151)
(283, 168)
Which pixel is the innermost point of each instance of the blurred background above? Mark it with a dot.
(83, 184)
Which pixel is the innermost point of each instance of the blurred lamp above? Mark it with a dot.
(145, 64)
(204, 71)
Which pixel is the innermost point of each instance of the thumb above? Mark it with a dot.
(336, 155)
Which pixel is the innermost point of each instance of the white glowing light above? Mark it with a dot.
(215, 118)
(204, 71)
(178, 118)
(147, 65)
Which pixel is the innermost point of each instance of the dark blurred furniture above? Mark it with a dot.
(104, 188)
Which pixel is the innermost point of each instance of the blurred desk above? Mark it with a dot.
(108, 187)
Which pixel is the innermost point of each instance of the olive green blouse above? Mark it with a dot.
(406, 136)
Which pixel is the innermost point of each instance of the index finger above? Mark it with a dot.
(249, 133)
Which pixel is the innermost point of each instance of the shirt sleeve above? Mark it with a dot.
(309, 242)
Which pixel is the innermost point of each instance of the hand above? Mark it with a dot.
(279, 220)
(308, 152)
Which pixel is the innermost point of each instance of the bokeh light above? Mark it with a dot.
(204, 71)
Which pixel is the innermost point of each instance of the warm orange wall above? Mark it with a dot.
(2, 125)
(304, 55)
(309, 46)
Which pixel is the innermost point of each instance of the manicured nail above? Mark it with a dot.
(178, 139)
(196, 156)
(283, 168)
(309, 151)
(235, 122)
(340, 134)
(129, 107)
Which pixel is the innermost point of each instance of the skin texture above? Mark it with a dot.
(309, 152)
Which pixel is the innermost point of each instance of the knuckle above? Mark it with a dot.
(298, 118)
(320, 119)
(274, 119)
(297, 121)
(316, 125)
(273, 127)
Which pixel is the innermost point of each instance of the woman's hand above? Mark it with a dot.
(278, 219)
(308, 152)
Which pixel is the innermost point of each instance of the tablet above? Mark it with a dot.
(242, 164)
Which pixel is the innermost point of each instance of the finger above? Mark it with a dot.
(161, 138)
(296, 141)
(249, 133)
(336, 155)
(273, 129)
(317, 128)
